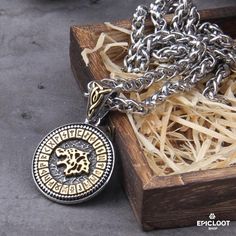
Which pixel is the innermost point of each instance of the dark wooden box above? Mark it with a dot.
(160, 202)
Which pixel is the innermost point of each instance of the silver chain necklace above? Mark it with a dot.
(74, 162)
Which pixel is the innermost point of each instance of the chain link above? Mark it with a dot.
(186, 47)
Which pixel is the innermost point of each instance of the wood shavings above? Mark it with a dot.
(120, 29)
(185, 133)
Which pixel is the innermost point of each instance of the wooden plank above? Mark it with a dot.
(158, 202)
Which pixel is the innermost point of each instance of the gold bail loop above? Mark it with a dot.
(97, 106)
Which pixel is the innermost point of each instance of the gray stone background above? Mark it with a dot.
(38, 93)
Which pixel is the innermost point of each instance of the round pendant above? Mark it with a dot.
(73, 163)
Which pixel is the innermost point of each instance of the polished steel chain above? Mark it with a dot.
(184, 49)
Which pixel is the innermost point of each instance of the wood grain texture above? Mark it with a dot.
(159, 202)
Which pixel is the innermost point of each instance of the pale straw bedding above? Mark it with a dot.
(187, 132)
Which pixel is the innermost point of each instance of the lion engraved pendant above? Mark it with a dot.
(73, 163)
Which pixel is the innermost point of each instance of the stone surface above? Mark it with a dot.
(38, 93)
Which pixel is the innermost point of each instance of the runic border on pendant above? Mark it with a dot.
(91, 183)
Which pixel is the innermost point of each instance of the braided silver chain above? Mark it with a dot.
(185, 48)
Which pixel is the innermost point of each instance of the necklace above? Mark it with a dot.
(74, 162)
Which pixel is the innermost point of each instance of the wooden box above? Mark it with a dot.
(160, 202)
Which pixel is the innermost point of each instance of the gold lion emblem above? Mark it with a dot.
(75, 161)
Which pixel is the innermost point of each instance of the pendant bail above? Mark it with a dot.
(97, 107)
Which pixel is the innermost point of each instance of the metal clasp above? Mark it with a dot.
(97, 106)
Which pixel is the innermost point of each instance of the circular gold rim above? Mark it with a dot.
(96, 188)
